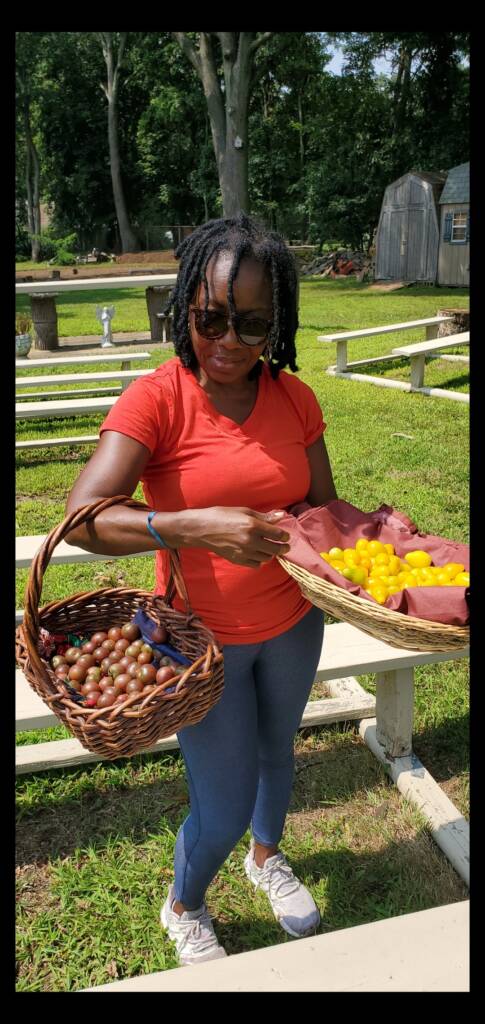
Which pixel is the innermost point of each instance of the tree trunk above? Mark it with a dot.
(228, 113)
(32, 184)
(129, 241)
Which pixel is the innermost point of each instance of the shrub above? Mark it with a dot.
(58, 250)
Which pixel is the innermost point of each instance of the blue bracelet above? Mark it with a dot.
(154, 532)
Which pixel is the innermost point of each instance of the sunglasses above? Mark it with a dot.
(212, 325)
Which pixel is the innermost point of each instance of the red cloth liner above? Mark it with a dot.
(340, 524)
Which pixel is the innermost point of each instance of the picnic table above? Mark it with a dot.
(44, 293)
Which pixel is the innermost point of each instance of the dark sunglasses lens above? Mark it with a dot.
(210, 325)
(253, 332)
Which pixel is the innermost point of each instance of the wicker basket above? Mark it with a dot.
(391, 627)
(122, 730)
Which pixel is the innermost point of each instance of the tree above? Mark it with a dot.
(27, 45)
(113, 55)
(228, 105)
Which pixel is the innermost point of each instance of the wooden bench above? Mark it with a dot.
(418, 352)
(427, 951)
(431, 325)
(385, 723)
(124, 376)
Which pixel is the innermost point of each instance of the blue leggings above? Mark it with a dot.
(240, 758)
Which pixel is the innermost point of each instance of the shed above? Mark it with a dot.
(454, 248)
(407, 238)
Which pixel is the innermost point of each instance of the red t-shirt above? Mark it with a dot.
(200, 458)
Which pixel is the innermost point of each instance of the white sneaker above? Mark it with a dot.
(292, 904)
(192, 933)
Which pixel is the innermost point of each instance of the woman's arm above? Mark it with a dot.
(322, 487)
(241, 535)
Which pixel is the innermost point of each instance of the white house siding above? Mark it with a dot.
(454, 257)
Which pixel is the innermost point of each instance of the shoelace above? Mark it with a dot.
(198, 929)
(279, 878)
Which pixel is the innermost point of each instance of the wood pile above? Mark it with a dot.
(341, 263)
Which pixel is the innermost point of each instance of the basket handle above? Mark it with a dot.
(42, 557)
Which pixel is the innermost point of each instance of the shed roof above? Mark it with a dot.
(457, 187)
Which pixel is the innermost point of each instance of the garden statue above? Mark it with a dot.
(105, 315)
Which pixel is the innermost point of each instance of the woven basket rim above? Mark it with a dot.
(345, 600)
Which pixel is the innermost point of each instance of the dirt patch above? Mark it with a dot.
(392, 286)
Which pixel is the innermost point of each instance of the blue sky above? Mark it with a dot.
(381, 66)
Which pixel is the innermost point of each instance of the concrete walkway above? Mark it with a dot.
(422, 952)
(91, 343)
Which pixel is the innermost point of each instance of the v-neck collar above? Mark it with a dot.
(225, 423)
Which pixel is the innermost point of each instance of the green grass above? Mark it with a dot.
(95, 843)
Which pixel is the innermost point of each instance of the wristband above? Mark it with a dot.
(153, 531)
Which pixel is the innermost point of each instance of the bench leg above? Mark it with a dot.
(394, 711)
(341, 356)
(125, 365)
(417, 370)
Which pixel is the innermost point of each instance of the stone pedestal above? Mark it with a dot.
(44, 318)
(156, 299)
(460, 322)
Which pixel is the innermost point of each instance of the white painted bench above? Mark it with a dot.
(68, 407)
(124, 376)
(431, 325)
(125, 358)
(417, 353)
(385, 724)
(427, 951)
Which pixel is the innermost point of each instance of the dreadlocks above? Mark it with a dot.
(242, 237)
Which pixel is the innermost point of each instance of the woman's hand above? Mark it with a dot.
(241, 535)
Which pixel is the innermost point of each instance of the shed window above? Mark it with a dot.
(458, 231)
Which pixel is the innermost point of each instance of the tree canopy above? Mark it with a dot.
(321, 148)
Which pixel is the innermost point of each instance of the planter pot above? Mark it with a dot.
(23, 344)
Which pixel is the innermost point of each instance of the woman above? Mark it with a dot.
(223, 443)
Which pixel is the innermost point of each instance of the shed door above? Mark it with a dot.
(397, 244)
(416, 246)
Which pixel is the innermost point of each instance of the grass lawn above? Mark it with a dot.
(95, 844)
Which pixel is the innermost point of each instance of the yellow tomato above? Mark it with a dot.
(325, 555)
(389, 548)
(379, 570)
(336, 553)
(441, 578)
(365, 562)
(382, 558)
(415, 573)
(338, 565)
(418, 559)
(394, 564)
(351, 557)
(453, 568)
(347, 572)
(379, 593)
(393, 580)
(374, 547)
(393, 589)
(359, 575)
(462, 579)
(362, 544)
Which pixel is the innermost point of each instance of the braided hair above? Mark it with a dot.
(243, 237)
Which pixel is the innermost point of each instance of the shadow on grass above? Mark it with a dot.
(323, 778)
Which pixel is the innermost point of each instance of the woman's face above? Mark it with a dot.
(227, 360)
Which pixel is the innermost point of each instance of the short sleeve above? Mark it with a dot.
(141, 412)
(314, 422)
